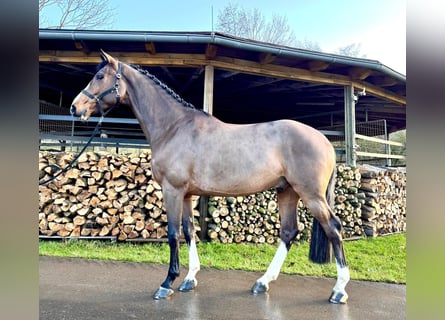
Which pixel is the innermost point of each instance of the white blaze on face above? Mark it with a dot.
(77, 99)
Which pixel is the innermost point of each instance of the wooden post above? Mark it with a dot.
(387, 146)
(208, 107)
(350, 126)
(208, 89)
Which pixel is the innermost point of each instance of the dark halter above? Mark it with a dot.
(115, 88)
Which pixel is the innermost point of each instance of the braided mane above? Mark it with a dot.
(164, 87)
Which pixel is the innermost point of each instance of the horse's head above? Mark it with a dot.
(103, 92)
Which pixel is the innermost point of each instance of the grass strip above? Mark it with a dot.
(380, 259)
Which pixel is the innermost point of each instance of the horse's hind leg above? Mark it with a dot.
(190, 281)
(287, 204)
(322, 237)
(339, 294)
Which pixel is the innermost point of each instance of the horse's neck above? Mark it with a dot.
(156, 110)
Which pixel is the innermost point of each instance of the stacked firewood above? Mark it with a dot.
(384, 210)
(101, 195)
(105, 194)
(255, 219)
(348, 200)
(252, 218)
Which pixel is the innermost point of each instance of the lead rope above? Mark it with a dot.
(69, 166)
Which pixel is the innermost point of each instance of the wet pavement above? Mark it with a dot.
(79, 289)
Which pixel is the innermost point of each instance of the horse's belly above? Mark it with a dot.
(235, 183)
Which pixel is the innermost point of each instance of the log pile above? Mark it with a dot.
(348, 200)
(384, 210)
(101, 195)
(105, 194)
(255, 219)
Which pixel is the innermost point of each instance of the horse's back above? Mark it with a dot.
(277, 141)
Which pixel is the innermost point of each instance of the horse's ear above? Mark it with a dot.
(103, 55)
(106, 57)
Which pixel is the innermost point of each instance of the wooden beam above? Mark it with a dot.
(379, 92)
(317, 65)
(384, 81)
(232, 64)
(226, 74)
(150, 47)
(357, 73)
(265, 58)
(379, 155)
(81, 45)
(211, 51)
(251, 67)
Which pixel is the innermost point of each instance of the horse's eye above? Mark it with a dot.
(99, 76)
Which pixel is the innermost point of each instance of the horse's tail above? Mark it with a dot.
(320, 250)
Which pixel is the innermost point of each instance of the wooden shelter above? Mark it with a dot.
(238, 80)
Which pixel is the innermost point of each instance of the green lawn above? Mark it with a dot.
(375, 259)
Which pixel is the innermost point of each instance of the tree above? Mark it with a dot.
(75, 14)
(351, 50)
(308, 44)
(251, 24)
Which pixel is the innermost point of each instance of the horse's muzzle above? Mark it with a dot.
(75, 113)
(73, 110)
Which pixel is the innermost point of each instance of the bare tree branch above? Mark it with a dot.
(228, 20)
(78, 14)
(278, 31)
(252, 24)
(351, 50)
(46, 3)
(308, 44)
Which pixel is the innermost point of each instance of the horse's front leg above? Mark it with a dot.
(173, 202)
(188, 225)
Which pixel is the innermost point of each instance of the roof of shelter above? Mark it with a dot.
(253, 81)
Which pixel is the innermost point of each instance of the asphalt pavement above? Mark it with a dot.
(80, 289)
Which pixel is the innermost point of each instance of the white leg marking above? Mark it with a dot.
(342, 279)
(275, 266)
(194, 264)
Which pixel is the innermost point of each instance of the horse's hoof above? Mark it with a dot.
(188, 285)
(259, 287)
(162, 293)
(338, 297)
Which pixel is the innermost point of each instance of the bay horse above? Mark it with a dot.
(194, 153)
